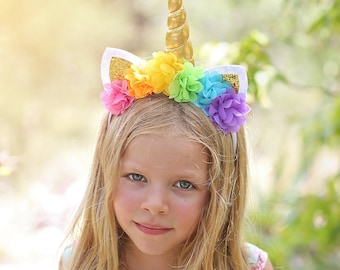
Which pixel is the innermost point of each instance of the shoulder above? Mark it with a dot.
(257, 258)
(65, 257)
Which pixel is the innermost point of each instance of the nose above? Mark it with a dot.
(156, 201)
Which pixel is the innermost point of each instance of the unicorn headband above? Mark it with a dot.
(219, 91)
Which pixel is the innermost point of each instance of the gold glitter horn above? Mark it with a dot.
(177, 38)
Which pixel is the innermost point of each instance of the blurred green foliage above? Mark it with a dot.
(49, 83)
(302, 229)
(299, 224)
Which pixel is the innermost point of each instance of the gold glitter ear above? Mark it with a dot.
(117, 67)
(233, 79)
(234, 74)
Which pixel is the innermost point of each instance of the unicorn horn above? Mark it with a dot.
(177, 38)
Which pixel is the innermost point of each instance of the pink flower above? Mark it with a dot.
(116, 98)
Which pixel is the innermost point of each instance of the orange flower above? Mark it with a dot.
(139, 83)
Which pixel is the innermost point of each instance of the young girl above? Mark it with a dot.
(169, 177)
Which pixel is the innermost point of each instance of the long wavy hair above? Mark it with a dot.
(217, 243)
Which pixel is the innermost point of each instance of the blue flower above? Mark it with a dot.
(213, 86)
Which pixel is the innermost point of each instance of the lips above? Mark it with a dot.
(152, 229)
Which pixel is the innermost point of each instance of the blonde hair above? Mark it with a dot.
(217, 243)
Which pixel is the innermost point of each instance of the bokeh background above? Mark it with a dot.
(50, 112)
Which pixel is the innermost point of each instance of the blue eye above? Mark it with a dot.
(136, 177)
(183, 184)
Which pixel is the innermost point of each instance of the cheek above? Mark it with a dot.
(124, 202)
(189, 213)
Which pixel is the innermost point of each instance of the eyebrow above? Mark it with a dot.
(185, 174)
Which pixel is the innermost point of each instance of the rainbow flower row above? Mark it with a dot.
(182, 82)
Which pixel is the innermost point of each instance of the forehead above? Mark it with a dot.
(166, 151)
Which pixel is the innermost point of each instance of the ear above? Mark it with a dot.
(114, 62)
(235, 75)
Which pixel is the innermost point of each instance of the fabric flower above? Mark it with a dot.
(213, 86)
(186, 84)
(228, 111)
(139, 83)
(161, 71)
(115, 97)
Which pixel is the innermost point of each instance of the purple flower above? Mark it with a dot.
(228, 111)
(213, 86)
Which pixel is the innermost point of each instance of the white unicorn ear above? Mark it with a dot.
(114, 62)
(235, 75)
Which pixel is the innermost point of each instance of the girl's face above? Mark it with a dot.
(161, 193)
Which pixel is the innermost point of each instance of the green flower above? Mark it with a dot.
(186, 84)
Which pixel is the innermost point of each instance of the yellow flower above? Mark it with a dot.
(139, 83)
(161, 71)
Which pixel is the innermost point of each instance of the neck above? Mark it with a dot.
(137, 260)
(147, 263)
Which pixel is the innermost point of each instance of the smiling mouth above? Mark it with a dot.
(152, 230)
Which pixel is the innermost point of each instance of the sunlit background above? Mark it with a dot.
(50, 113)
